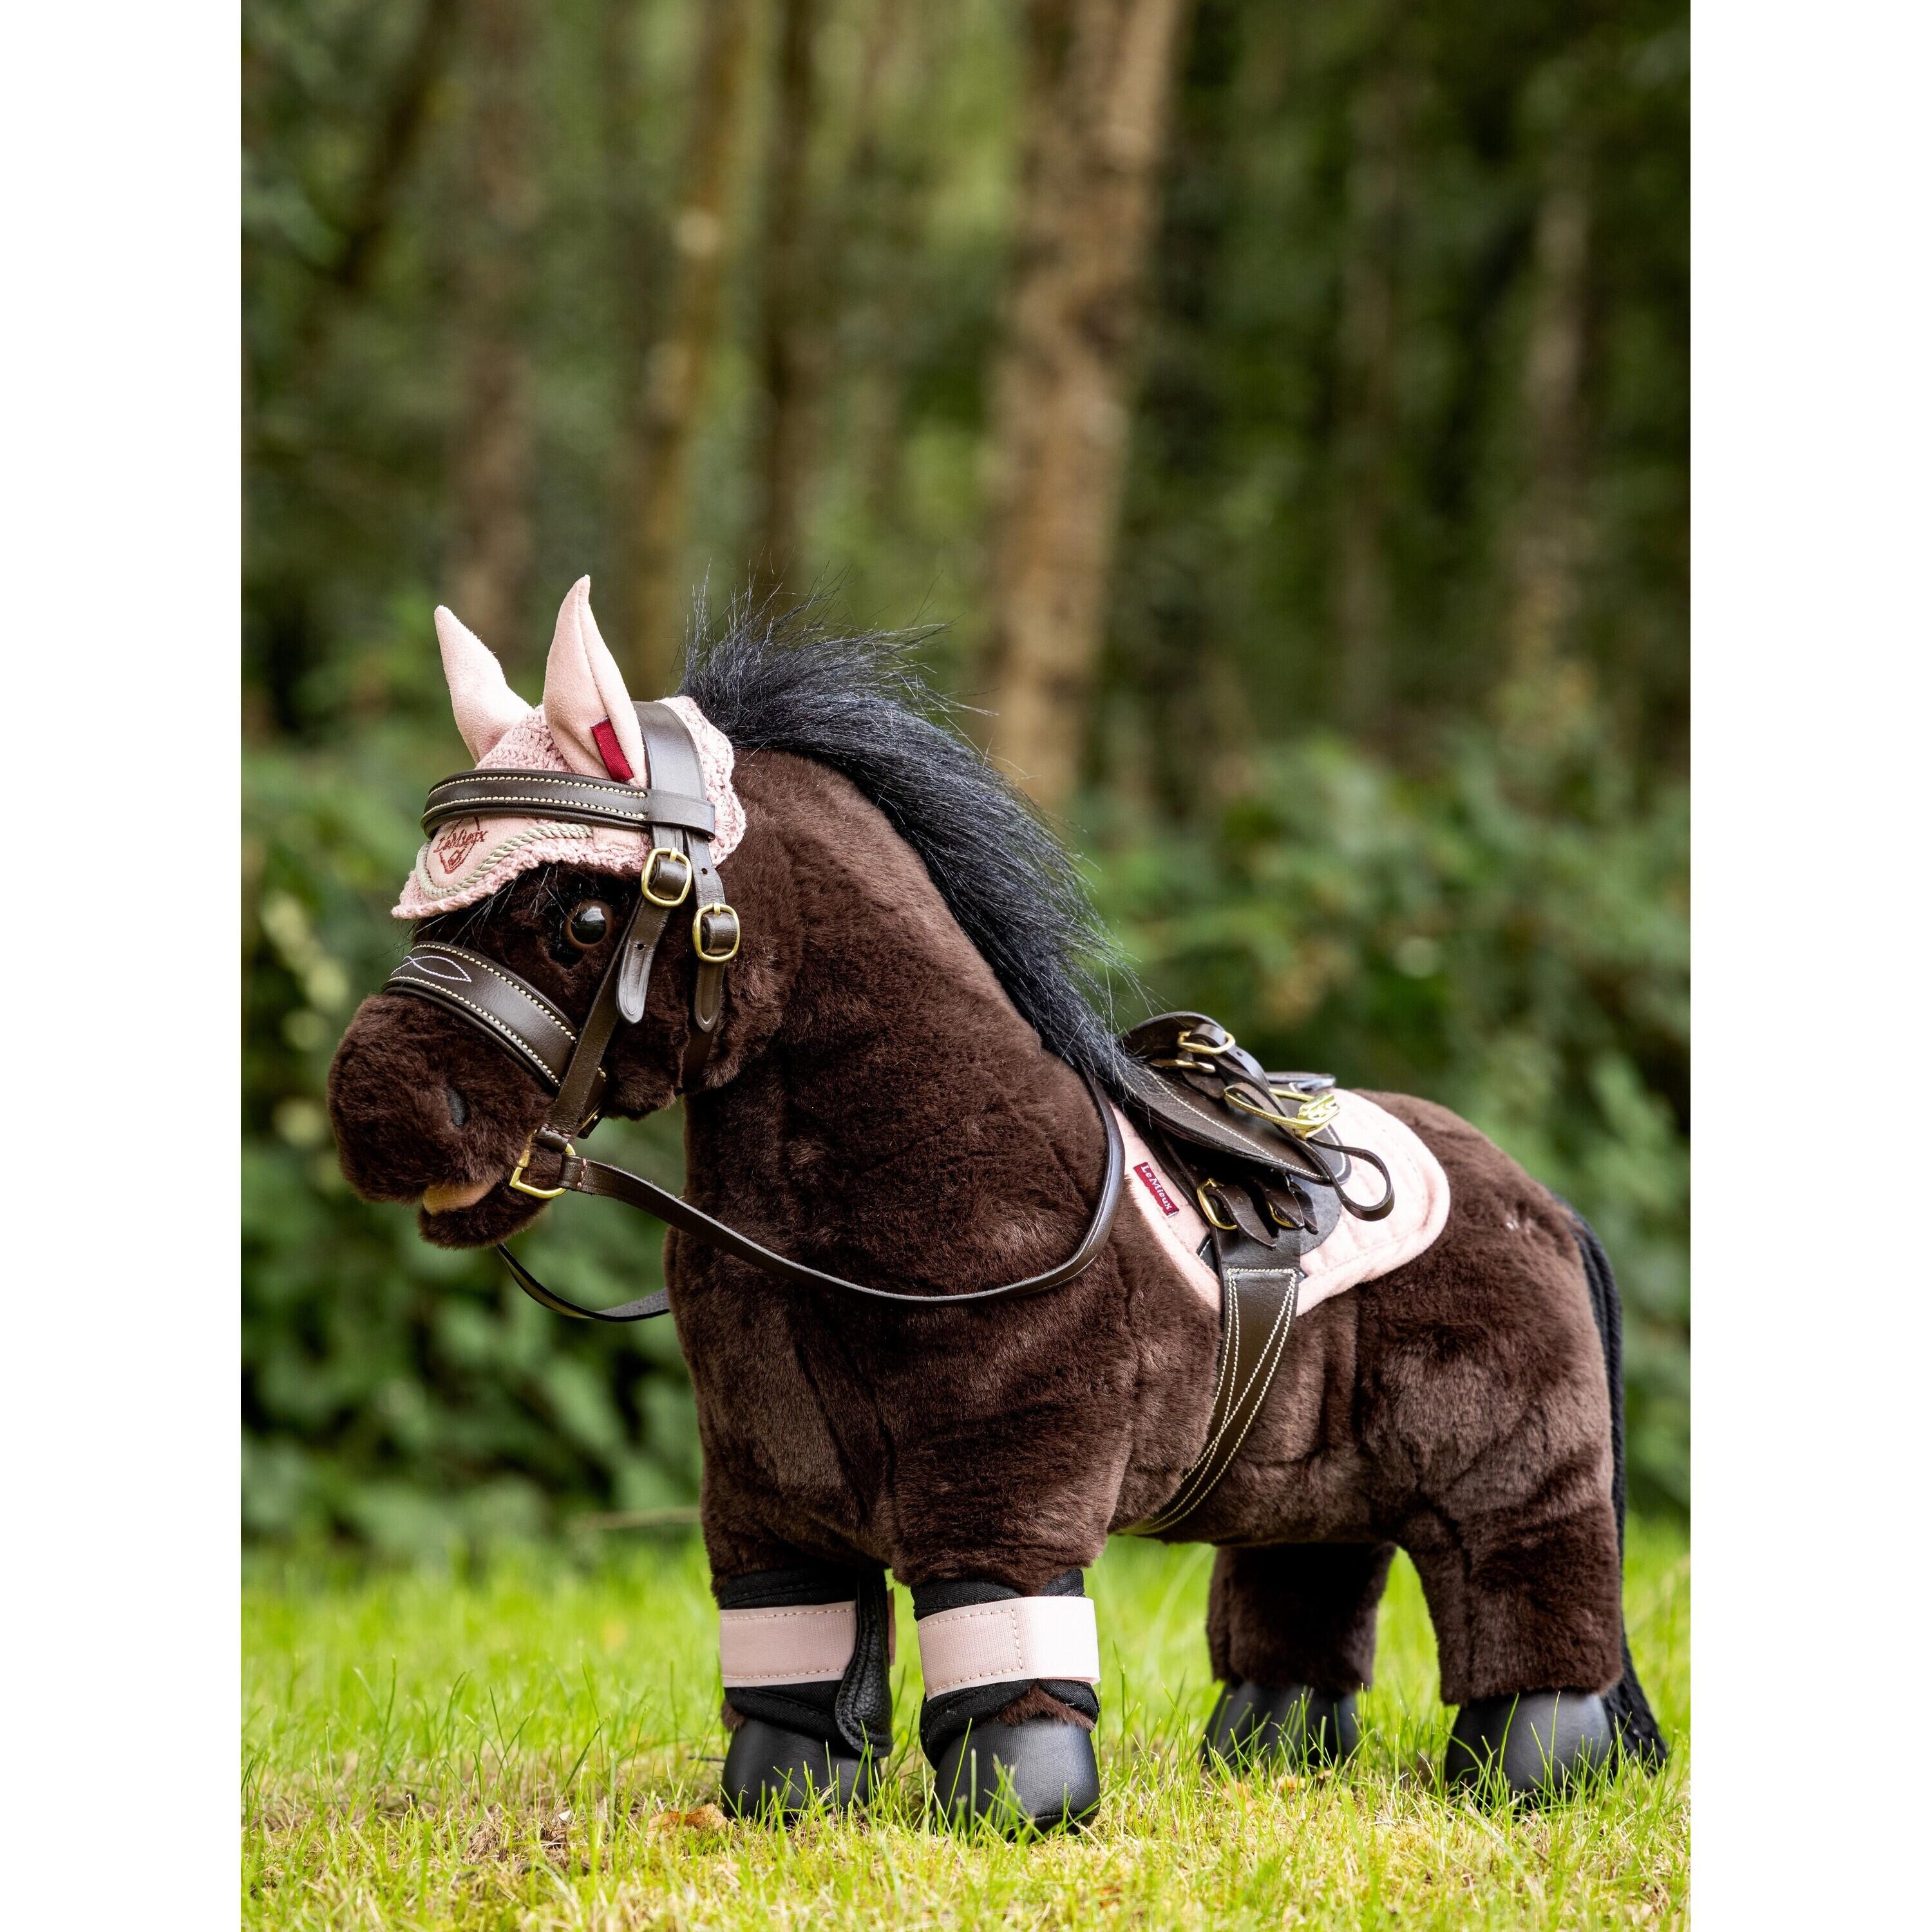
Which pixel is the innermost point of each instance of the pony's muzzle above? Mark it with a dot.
(447, 1200)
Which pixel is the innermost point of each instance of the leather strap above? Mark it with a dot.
(488, 793)
(1259, 1286)
(636, 953)
(673, 761)
(572, 1111)
(646, 1308)
(676, 822)
(1194, 1083)
(578, 1175)
(507, 1007)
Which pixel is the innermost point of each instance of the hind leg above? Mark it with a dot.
(1291, 1635)
(1526, 1603)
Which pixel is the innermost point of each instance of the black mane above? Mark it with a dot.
(782, 680)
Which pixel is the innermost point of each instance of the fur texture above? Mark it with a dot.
(893, 1097)
(777, 679)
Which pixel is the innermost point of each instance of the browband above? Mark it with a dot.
(487, 794)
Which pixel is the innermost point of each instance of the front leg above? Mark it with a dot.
(804, 1652)
(1000, 1505)
(1010, 1703)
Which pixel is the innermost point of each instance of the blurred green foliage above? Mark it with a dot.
(404, 1395)
(1473, 888)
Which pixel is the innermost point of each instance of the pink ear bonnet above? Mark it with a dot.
(584, 724)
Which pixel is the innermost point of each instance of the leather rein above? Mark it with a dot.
(676, 823)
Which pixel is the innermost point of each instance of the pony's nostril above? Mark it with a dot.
(459, 1108)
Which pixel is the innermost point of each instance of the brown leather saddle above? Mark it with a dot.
(1259, 1154)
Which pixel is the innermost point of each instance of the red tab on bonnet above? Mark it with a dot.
(611, 752)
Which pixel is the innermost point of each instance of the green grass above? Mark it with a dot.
(537, 1747)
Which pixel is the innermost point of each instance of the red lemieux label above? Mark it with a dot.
(1150, 1180)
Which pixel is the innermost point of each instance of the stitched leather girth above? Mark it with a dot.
(1261, 1281)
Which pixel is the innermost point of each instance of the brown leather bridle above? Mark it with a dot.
(676, 821)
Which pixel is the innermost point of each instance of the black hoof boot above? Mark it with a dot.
(1533, 1743)
(777, 1774)
(1297, 1725)
(1040, 1775)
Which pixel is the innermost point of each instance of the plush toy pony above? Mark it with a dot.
(1307, 1326)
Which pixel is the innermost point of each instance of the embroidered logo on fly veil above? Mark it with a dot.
(1144, 1172)
(456, 844)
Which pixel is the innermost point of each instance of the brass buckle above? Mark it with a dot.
(1207, 1207)
(649, 879)
(1197, 1055)
(1313, 1113)
(1187, 1043)
(522, 1186)
(697, 933)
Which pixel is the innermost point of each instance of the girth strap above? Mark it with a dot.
(1269, 1174)
(1259, 1286)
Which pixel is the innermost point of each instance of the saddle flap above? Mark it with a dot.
(1180, 1064)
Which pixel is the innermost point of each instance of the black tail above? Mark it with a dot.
(1629, 1708)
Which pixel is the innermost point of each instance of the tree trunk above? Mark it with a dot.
(492, 448)
(793, 348)
(1366, 398)
(1185, 738)
(1100, 80)
(674, 377)
(886, 192)
(1547, 552)
(636, 248)
(366, 224)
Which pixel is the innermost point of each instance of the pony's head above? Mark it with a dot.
(427, 1107)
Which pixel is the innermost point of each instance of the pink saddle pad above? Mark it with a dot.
(1357, 1251)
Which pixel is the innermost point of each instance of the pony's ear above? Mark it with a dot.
(585, 703)
(485, 706)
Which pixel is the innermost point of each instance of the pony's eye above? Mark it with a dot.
(590, 924)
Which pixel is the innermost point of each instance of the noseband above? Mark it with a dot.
(675, 822)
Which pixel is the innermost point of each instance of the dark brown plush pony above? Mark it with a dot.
(894, 1097)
